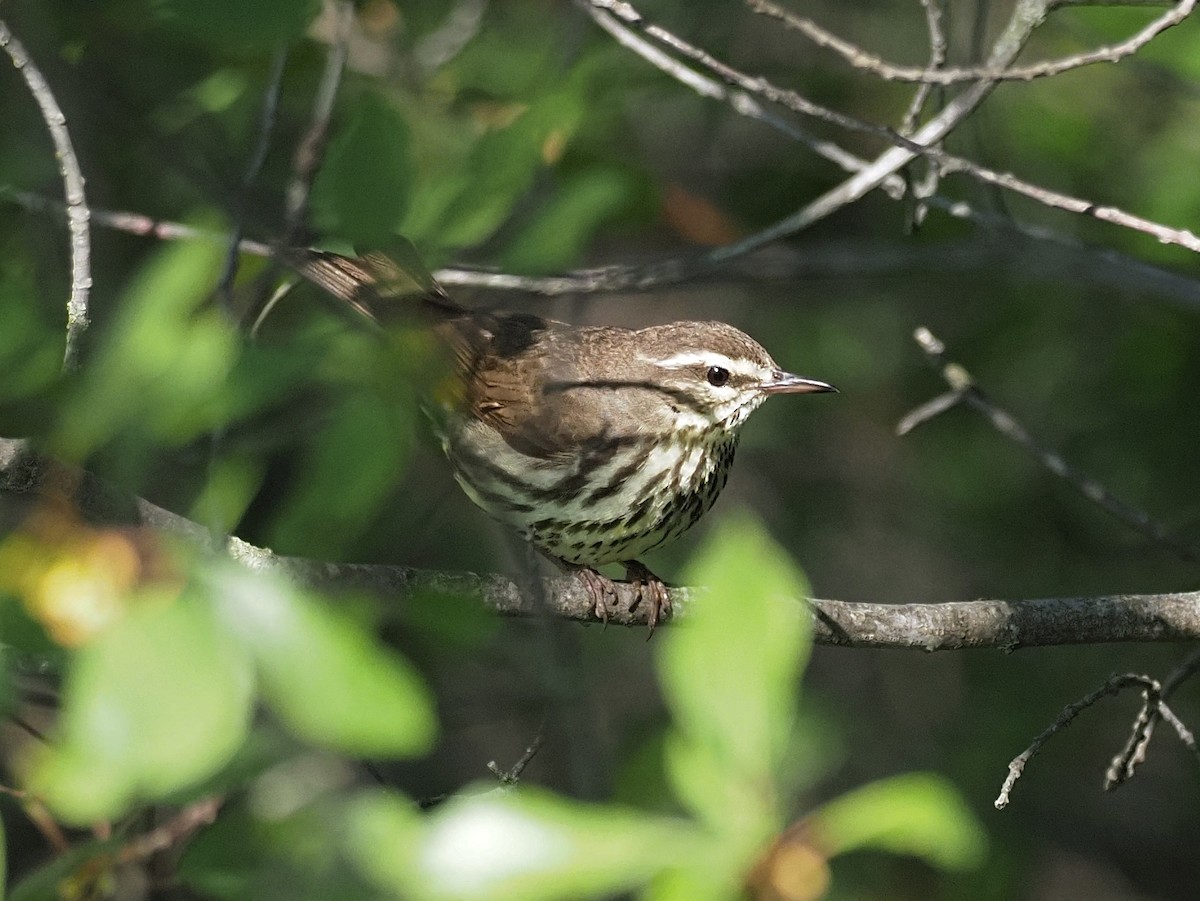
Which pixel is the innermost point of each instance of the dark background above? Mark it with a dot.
(539, 145)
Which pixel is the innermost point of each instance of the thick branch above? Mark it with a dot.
(1006, 625)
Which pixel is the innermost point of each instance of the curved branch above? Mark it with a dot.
(72, 176)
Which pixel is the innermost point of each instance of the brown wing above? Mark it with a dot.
(554, 390)
(510, 367)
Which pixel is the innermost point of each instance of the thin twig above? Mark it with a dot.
(258, 156)
(964, 389)
(869, 62)
(937, 60)
(311, 148)
(512, 775)
(1097, 262)
(77, 208)
(41, 818)
(1125, 763)
(904, 148)
(173, 832)
(1112, 687)
(739, 101)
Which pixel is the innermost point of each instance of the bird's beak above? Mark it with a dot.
(786, 383)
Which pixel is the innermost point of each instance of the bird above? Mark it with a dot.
(598, 444)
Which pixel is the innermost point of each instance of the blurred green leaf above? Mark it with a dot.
(501, 168)
(68, 875)
(162, 369)
(362, 189)
(524, 845)
(731, 675)
(254, 853)
(348, 465)
(918, 813)
(561, 230)
(257, 24)
(325, 676)
(157, 702)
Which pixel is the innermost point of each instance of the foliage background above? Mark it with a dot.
(535, 145)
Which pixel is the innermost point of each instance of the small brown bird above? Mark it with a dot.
(597, 444)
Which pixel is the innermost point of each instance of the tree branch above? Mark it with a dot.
(1005, 625)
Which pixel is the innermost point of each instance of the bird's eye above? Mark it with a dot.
(717, 376)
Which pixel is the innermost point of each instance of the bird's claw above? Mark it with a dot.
(651, 589)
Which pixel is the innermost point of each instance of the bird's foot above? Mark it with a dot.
(600, 591)
(651, 589)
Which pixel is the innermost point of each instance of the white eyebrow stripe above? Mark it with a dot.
(708, 358)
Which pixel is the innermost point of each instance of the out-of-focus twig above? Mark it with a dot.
(963, 389)
(77, 207)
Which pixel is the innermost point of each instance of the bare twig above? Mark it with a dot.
(905, 148)
(869, 62)
(1099, 265)
(964, 389)
(1133, 754)
(171, 833)
(41, 818)
(512, 775)
(72, 176)
(1112, 687)
(937, 60)
(739, 101)
(253, 167)
(307, 158)
(447, 41)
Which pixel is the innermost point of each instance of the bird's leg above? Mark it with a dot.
(652, 590)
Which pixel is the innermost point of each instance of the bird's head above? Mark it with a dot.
(713, 375)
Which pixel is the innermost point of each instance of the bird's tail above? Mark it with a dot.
(381, 285)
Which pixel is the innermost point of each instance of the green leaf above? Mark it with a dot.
(731, 674)
(556, 238)
(253, 851)
(156, 703)
(261, 23)
(72, 874)
(501, 169)
(918, 813)
(348, 466)
(162, 370)
(523, 845)
(363, 187)
(324, 675)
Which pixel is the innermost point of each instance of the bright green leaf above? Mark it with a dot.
(522, 845)
(163, 368)
(156, 703)
(731, 674)
(919, 814)
(325, 676)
